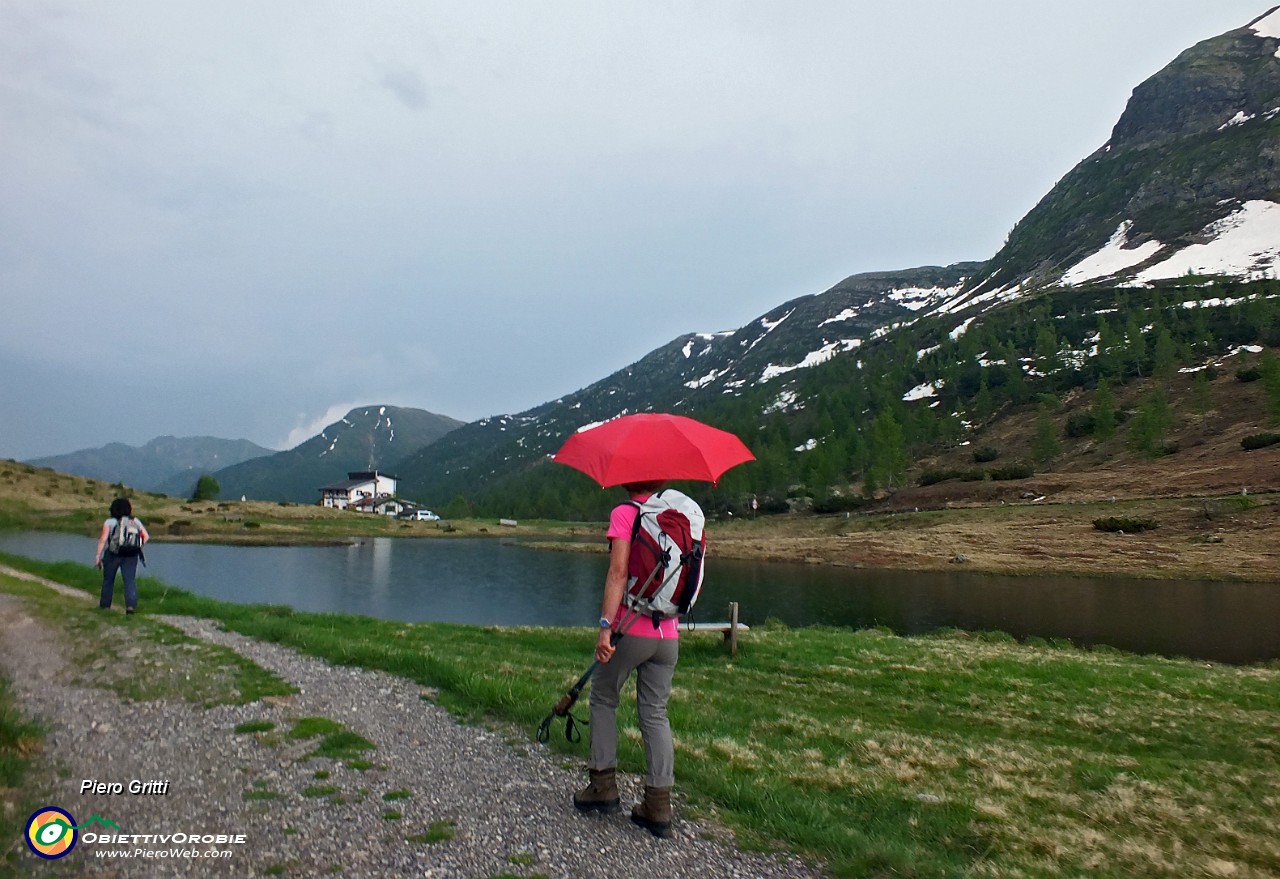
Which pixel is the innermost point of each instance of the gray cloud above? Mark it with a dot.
(223, 199)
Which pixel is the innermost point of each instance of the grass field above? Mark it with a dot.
(944, 756)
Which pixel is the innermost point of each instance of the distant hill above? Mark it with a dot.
(159, 464)
(368, 437)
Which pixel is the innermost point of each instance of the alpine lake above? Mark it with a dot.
(502, 582)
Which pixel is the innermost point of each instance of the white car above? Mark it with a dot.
(425, 516)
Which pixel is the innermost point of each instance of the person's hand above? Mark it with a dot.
(98, 563)
(604, 645)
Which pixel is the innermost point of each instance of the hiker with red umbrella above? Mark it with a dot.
(640, 453)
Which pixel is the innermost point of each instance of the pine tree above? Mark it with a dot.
(1271, 385)
(1202, 393)
(889, 449)
(1104, 412)
(1164, 356)
(1047, 446)
(1153, 421)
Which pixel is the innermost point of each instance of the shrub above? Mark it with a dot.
(839, 504)
(933, 477)
(985, 455)
(1259, 441)
(252, 525)
(772, 506)
(1081, 423)
(1012, 471)
(1249, 373)
(1126, 524)
(182, 526)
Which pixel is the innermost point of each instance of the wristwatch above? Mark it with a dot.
(606, 623)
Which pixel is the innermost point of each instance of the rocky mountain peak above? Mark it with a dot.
(1233, 76)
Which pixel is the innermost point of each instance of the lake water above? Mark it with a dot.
(497, 582)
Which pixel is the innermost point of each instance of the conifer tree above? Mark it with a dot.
(1104, 412)
(1202, 393)
(1164, 356)
(1147, 433)
(1047, 446)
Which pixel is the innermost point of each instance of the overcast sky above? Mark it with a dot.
(241, 219)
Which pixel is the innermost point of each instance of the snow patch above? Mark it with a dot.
(960, 330)
(807, 446)
(813, 358)
(920, 392)
(770, 325)
(1268, 25)
(1246, 243)
(1114, 257)
(847, 314)
(706, 379)
(1239, 119)
(784, 401)
(916, 298)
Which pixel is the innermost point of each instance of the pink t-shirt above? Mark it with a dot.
(621, 521)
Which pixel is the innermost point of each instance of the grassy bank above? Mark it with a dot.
(951, 755)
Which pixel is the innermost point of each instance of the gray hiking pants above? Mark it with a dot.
(654, 662)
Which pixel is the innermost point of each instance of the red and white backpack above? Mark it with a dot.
(667, 549)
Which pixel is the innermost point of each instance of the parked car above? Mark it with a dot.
(425, 516)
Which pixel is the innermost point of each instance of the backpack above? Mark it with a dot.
(664, 575)
(126, 537)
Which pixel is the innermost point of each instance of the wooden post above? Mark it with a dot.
(733, 628)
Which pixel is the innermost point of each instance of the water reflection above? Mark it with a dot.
(492, 582)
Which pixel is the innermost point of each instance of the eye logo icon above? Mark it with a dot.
(51, 832)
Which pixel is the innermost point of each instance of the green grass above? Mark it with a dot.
(142, 659)
(439, 831)
(261, 794)
(254, 726)
(326, 790)
(20, 743)
(393, 795)
(953, 755)
(336, 741)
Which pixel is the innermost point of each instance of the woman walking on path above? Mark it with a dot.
(651, 651)
(119, 548)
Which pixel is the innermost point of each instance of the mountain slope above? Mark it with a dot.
(1195, 154)
(156, 464)
(368, 437)
(684, 375)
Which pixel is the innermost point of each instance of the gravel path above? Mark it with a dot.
(501, 807)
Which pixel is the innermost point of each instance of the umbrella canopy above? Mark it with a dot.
(648, 447)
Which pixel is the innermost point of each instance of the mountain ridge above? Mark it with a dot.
(366, 438)
(157, 462)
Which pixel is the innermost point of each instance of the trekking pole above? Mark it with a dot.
(569, 699)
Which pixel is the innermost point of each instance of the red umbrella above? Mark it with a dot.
(652, 446)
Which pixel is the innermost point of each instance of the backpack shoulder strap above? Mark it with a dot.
(635, 525)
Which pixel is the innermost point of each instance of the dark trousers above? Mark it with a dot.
(127, 565)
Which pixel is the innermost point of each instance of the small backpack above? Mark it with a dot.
(667, 549)
(126, 537)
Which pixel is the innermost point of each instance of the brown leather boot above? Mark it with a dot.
(654, 814)
(601, 795)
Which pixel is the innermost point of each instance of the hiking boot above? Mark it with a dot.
(654, 814)
(128, 610)
(601, 795)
